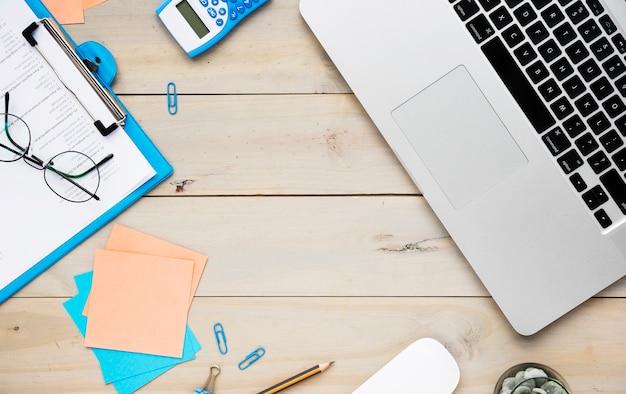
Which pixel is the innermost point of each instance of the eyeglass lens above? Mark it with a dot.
(73, 176)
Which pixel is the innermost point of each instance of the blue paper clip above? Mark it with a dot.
(252, 358)
(220, 337)
(172, 98)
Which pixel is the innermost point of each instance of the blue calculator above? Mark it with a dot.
(197, 25)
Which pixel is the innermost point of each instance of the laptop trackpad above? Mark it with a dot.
(459, 137)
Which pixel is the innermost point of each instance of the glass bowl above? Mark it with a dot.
(523, 378)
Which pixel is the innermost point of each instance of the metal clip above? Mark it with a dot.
(252, 358)
(220, 337)
(172, 98)
(209, 385)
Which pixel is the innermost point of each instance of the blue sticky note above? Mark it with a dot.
(127, 371)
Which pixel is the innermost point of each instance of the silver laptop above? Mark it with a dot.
(509, 115)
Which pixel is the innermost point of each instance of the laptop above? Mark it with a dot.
(509, 115)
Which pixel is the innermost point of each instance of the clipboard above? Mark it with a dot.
(94, 53)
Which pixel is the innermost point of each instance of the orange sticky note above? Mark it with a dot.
(91, 3)
(139, 303)
(124, 239)
(66, 11)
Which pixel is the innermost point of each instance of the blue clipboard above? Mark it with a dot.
(105, 73)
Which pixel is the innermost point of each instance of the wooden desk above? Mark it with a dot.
(321, 248)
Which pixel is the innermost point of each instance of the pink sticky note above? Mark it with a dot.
(124, 239)
(66, 11)
(139, 303)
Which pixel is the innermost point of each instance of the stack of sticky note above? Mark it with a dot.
(133, 308)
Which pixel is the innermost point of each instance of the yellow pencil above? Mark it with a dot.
(297, 378)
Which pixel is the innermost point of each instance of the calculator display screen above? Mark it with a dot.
(192, 18)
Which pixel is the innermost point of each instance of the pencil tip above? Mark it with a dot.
(331, 363)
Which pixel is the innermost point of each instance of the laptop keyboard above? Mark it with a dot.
(563, 62)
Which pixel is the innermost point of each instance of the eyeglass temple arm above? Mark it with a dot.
(70, 180)
(69, 177)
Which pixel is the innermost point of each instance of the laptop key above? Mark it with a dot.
(614, 67)
(574, 126)
(501, 17)
(578, 182)
(550, 90)
(574, 87)
(611, 141)
(602, 88)
(525, 54)
(614, 106)
(587, 144)
(525, 14)
(599, 162)
(616, 188)
(603, 219)
(595, 197)
(577, 12)
(601, 49)
(589, 70)
(556, 141)
(516, 82)
(565, 33)
(570, 161)
(586, 105)
(577, 52)
(619, 42)
(552, 15)
(595, 7)
(480, 28)
(607, 25)
(562, 69)
(466, 9)
(589, 30)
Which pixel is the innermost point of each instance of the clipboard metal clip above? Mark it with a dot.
(115, 109)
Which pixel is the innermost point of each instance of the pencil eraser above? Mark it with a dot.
(425, 366)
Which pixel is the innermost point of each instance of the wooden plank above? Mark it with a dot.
(272, 51)
(306, 246)
(270, 144)
(40, 347)
(288, 246)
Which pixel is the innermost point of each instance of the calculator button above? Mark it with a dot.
(204, 3)
(215, 2)
(247, 3)
(240, 8)
(233, 15)
(219, 22)
(212, 13)
(222, 11)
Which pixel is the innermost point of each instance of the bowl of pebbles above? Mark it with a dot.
(531, 378)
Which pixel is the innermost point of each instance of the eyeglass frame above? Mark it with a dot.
(38, 164)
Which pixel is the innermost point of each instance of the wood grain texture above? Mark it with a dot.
(40, 347)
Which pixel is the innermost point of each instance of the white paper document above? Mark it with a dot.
(36, 221)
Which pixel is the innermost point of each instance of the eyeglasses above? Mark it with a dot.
(71, 175)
